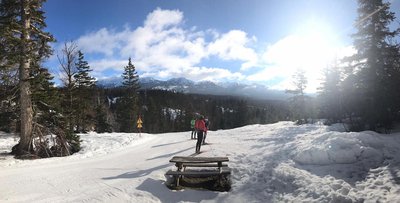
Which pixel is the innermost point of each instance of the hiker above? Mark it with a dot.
(207, 123)
(201, 128)
(192, 123)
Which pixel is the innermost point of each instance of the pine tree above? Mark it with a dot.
(82, 77)
(330, 94)
(128, 104)
(375, 65)
(82, 91)
(298, 101)
(22, 24)
(102, 124)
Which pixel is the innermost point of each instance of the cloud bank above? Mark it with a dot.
(163, 47)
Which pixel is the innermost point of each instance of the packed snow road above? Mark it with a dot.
(279, 162)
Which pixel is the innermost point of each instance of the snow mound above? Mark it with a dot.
(341, 148)
(94, 144)
(302, 186)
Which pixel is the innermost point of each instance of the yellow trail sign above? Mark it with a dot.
(139, 123)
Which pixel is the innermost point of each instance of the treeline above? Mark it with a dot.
(161, 111)
(166, 111)
(363, 90)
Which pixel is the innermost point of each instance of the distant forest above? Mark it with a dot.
(167, 111)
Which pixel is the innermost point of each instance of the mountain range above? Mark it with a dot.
(183, 85)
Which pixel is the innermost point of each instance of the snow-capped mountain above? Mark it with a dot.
(184, 85)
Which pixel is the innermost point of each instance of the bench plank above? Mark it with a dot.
(224, 171)
(190, 159)
(203, 165)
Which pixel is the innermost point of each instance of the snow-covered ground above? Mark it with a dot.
(279, 162)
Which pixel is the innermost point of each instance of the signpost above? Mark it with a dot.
(139, 125)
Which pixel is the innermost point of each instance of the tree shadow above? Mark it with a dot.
(136, 174)
(158, 189)
(170, 154)
(162, 145)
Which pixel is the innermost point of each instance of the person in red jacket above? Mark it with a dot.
(201, 128)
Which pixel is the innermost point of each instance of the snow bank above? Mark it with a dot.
(302, 186)
(92, 145)
(7, 141)
(342, 148)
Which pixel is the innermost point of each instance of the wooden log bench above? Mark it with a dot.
(214, 166)
(202, 165)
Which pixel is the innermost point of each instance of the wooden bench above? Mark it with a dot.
(181, 161)
(184, 165)
(220, 169)
(191, 173)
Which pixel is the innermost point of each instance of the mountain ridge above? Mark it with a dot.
(186, 86)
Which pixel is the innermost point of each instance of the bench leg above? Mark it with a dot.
(177, 180)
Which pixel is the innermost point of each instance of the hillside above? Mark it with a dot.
(279, 162)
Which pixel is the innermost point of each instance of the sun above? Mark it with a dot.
(311, 49)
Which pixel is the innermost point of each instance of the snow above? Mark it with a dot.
(172, 112)
(280, 162)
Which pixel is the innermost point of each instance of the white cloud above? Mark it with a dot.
(162, 47)
(102, 41)
(232, 46)
(101, 65)
(161, 19)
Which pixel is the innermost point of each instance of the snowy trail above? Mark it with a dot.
(280, 162)
(115, 175)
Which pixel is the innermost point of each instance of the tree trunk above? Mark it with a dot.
(25, 142)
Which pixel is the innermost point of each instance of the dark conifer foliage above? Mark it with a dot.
(167, 111)
(24, 45)
(83, 94)
(331, 95)
(300, 111)
(374, 69)
(128, 109)
(102, 124)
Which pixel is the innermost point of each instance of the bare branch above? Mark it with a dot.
(67, 62)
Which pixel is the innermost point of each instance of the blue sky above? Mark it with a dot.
(251, 41)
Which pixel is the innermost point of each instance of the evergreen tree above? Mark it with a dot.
(82, 92)
(298, 101)
(8, 94)
(128, 104)
(376, 65)
(22, 27)
(82, 77)
(102, 125)
(330, 96)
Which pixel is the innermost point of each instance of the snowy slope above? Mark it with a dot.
(280, 162)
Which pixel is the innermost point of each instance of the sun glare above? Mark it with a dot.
(313, 49)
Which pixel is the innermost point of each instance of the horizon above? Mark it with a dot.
(262, 42)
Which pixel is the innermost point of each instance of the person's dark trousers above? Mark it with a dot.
(204, 137)
(193, 134)
(199, 140)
